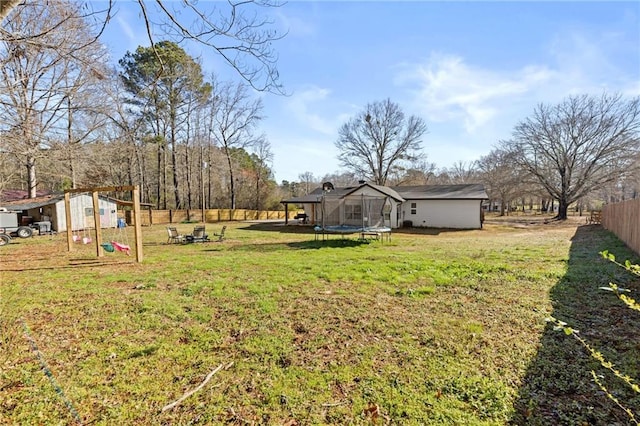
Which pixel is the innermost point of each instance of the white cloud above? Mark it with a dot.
(304, 106)
(447, 88)
(294, 155)
(126, 28)
(296, 26)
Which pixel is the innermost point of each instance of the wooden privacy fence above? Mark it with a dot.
(150, 217)
(623, 219)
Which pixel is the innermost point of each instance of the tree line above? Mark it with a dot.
(72, 120)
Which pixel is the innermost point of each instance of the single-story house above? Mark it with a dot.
(443, 206)
(432, 206)
(51, 208)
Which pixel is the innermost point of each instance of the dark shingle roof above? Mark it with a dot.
(473, 191)
(315, 196)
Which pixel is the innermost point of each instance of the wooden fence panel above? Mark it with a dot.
(623, 219)
(214, 215)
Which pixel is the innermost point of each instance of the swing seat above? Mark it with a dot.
(121, 247)
(108, 247)
(86, 240)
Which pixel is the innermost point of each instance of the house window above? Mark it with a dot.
(353, 211)
(414, 208)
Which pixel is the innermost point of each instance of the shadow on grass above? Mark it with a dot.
(278, 227)
(302, 245)
(558, 387)
(308, 229)
(73, 264)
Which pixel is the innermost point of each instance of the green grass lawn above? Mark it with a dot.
(429, 328)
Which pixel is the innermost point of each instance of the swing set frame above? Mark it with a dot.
(135, 191)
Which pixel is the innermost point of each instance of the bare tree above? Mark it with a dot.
(380, 141)
(6, 6)
(8, 170)
(235, 30)
(262, 159)
(341, 178)
(462, 172)
(307, 182)
(579, 145)
(42, 84)
(420, 173)
(502, 180)
(237, 115)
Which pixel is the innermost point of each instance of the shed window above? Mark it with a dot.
(414, 208)
(88, 211)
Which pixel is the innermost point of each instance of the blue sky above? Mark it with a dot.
(471, 70)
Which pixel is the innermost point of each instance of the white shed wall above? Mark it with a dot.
(459, 214)
(82, 213)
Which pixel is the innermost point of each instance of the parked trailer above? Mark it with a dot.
(9, 225)
(4, 239)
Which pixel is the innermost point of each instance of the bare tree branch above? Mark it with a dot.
(579, 145)
(379, 141)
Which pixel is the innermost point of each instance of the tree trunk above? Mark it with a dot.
(188, 169)
(72, 169)
(174, 167)
(258, 191)
(562, 209)
(209, 180)
(159, 177)
(141, 176)
(31, 176)
(164, 176)
(232, 187)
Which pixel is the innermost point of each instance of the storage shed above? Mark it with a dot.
(51, 208)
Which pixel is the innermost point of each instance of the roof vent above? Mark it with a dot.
(362, 182)
(327, 186)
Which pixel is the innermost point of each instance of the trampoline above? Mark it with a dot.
(354, 213)
(377, 232)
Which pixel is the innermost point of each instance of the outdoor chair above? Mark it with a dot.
(221, 234)
(174, 235)
(199, 235)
